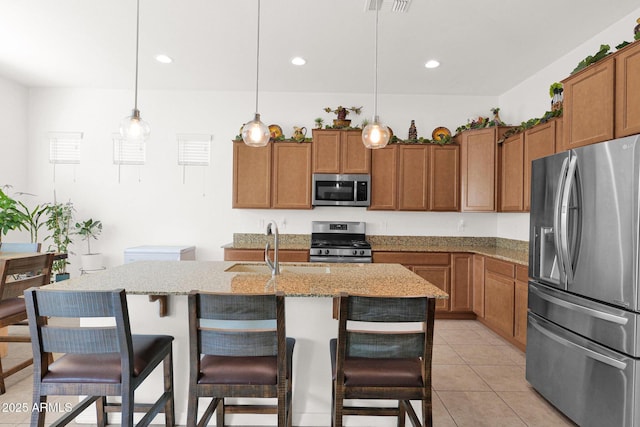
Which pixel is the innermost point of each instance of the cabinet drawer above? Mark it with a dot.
(417, 258)
(522, 273)
(503, 268)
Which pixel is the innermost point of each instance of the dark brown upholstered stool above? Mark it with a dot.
(240, 360)
(96, 361)
(375, 363)
(16, 275)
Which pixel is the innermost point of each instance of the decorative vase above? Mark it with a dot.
(341, 123)
(91, 262)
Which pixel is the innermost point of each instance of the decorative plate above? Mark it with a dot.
(275, 131)
(440, 133)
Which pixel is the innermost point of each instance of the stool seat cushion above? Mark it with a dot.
(375, 372)
(261, 370)
(12, 306)
(105, 368)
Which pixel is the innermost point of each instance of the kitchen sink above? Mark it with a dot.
(264, 269)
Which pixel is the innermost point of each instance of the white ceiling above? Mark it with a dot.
(485, 47)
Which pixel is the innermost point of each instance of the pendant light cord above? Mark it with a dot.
(375, 70)
(135, 102)
(257, 56)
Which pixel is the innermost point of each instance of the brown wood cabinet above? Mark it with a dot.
(284, 255)
(521, 305)
(340, 151)
(444, 178)
(453, 273)
(275, 176)
(516, 154)
(539, 141)
(588, 105)
(478, 168)
(415, 177)
(384, 178)
(461, 299)
(291, 179)
(413, 181)
(478, 285)
(627, 113)
(499, 295)
(512, 174)
(251, 176)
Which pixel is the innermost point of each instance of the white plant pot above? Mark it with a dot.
(90, 262)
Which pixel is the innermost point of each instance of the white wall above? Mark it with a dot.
(531, 99)
(14, 150)
(152, 205)
(13, 134)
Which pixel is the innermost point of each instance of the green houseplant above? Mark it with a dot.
(90, 229)
(11, 217)
(58, 222)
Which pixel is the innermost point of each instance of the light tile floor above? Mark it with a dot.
(478, 380)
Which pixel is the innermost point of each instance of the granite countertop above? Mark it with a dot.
(296, 279)
(516, 251)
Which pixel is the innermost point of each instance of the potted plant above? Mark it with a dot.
(11, 217)
(341, 113)
(90, 229)
(59, 220)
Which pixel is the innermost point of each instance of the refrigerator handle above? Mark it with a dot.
(564, 219)
(618, 364)
(557, 204)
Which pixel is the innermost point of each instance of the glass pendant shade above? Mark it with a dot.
(133, 128)
(375, 135)
(255, 133)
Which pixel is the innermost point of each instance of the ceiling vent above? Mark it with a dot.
(395, 5)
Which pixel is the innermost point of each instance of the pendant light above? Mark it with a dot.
(132, 127)
(255, 133)
(375, 134)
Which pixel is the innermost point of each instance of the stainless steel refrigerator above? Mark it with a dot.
(583, 334)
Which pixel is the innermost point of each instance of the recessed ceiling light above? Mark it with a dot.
(298, 60)
(432, 63)
(164, 58)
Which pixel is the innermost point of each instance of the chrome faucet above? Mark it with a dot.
(272, 228)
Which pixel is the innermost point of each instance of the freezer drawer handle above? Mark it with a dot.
(575, 307)
(587, 352)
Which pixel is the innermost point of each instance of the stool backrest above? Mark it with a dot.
(411, 337)
(114, 337)
(237, 324)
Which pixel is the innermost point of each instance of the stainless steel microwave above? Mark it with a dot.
(341, 189)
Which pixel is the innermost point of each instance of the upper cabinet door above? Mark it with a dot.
(384, 178)
(444, 182)
(478, 170)
(512, 174)
(340, 151)
(588, 105)
(413, 182)
(326, 151)
(291, 175)
(251, 176)
(356, 158)
(628, 91)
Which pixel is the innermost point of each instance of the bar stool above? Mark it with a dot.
(238, 348)
(370, 361)
(96, 361)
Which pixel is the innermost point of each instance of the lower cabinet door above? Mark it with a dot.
(498, 302)
(439, 276)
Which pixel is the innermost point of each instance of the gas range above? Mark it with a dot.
(342, 242)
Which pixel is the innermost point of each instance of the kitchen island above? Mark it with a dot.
(309, 287)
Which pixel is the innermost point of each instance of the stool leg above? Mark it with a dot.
(169, 410)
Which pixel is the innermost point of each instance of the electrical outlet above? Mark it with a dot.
(461, 225)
